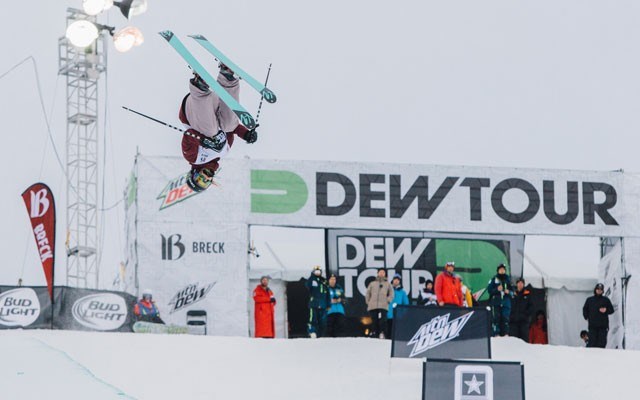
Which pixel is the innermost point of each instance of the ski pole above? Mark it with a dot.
(155, 120)
(262, 98)
(163, 123)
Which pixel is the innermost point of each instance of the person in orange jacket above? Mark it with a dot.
(448, 287)
(538, 329)
(265, 303)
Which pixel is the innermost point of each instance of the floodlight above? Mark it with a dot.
(131, 8)
(126, 38)
(81, 33)
(93, 7)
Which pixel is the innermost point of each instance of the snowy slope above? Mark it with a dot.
(80, 365)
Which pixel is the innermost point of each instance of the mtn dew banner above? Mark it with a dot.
(355, 255)
(444, 198)
(441, 332)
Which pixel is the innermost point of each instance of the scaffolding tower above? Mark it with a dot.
(82, 67)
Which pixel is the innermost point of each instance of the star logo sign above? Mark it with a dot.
(474, 385)
(473, 382)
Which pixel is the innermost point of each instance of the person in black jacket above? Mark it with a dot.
(500, 294)
(596, 311)
(521, 310)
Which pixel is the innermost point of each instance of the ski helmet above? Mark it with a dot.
(147, 293)
(199, 181)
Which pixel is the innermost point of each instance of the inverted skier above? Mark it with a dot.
(212, 127)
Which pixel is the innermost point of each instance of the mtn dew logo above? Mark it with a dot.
(175, 191)
(436, 332)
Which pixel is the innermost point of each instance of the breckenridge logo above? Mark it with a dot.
(189, 295)
(175, 192)
(436, 332)
(103, 311)
(19, 307)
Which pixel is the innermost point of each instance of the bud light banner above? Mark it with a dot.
(95, 310)
(42, 212)
(439, 332)
(472, 380)
(25, 307)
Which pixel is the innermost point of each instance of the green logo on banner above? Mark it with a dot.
(476, 260)
(277, 192)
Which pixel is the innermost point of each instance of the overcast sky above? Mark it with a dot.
(544, 84)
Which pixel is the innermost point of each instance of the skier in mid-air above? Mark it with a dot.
(211, 127)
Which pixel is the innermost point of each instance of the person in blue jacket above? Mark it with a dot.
(335, 316)
(399, 298)
(318, 303)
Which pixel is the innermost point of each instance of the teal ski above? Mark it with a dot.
(245, 118)
(268, 95)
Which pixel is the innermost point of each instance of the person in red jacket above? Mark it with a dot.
(146, 310)
(448, 287)
(538, 329)
(265, 303)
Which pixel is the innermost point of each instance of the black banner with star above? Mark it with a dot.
(472, 380)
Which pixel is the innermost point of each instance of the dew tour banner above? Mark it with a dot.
(439, 332)
(444, 379)
(42, 212)
(74, 309)
(444, 198)
(355, 255)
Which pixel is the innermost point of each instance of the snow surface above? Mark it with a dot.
(83, 365)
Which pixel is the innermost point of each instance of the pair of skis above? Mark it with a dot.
(245, 117)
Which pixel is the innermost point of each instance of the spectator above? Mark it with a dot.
(335, 316)
(521, 309)
(596, 311)
(318, 303)
(500, 293)
(584, 338)
(265, 303)
(449, 287)
(379, 295)
(399, 298)
(427, 296)
(467, 296)
(146, 310)
(538, 329)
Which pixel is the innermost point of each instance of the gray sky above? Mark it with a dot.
(545, 84)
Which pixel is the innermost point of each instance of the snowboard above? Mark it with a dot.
(150, 327)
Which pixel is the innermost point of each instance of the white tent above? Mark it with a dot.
(566, 292)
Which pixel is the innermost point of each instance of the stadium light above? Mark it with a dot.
(82, 33)
(131, 8)
(126, 38)
(95, 7)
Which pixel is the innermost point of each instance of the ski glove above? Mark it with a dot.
(251, 136)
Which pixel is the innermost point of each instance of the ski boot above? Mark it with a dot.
(227, 72)
(198, 82)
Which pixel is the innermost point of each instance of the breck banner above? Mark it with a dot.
(444, 198)
(42, 212)
(472, 380)
(441, 332)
